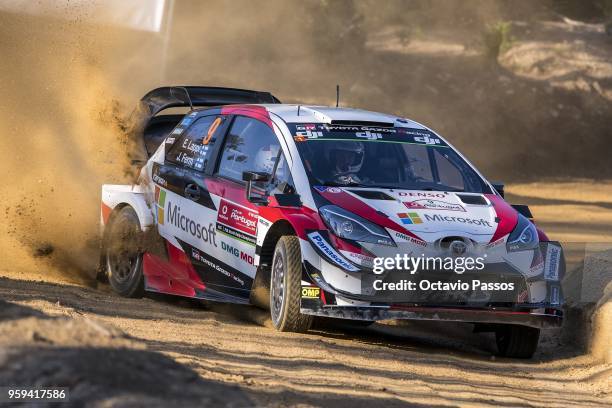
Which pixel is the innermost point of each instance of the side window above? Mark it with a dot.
(250, 146)
(191, 150)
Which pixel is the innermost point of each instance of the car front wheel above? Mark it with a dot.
(285, 287)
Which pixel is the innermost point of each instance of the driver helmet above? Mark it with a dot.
(345, 157)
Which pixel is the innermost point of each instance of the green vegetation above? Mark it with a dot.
(497, 38)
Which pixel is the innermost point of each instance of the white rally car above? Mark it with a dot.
(243, 199)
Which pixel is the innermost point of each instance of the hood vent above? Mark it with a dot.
(472, 199)
(372, 194)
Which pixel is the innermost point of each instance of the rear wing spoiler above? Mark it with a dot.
(159, 99)
(199, 96)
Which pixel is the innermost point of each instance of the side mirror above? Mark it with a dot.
(499, 187)
(255, 176)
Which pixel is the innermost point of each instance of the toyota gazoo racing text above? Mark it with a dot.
(317, 211)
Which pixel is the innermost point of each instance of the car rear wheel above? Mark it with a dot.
(517, 341)
(285, 287)
(123, 253)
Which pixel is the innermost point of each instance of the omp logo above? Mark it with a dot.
(160, 199)
(310, 292)
(410, 218)
(190, 226)
(460, 220)
(243, 256)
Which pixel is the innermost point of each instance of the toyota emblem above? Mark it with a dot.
(458, 248)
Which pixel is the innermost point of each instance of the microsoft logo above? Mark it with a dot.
(160, 199)
(410, 218)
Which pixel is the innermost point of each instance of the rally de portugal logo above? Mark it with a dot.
(410, 218)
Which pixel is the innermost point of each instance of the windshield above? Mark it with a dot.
(384, 157)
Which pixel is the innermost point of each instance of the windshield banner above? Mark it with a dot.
(303, 132)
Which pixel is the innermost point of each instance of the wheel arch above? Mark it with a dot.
(260, 292)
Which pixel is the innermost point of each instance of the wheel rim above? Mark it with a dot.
(278, 287)
(123, 256)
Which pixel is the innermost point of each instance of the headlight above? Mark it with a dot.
(350, 226)
(524, 236)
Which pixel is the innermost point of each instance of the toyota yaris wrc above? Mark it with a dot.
(317, 211)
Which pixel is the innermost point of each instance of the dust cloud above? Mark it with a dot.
(62, 137)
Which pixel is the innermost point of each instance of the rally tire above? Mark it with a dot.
(286, 287)
(517, 341)
(123, 254)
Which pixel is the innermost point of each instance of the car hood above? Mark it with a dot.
(428, 215)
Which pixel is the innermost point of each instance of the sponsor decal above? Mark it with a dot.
(359, 259)
(412, 240)
(160, 199)
(264, 222)
(302, 135)
(174, 216)
(238, 253)
(460, 220)
(427, 140)
(555, 295)
(310, 292)
(233, 233)
(551, 267)
(219, 268)
(428, 204)
(238, 218)
(170, 140)
(410, 218)
(325, 189)
(369, 135)
(159, 180)
(421, 194)
(331, 254)
(305, 132)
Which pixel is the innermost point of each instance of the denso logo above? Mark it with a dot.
(243, 256)
(424, 194)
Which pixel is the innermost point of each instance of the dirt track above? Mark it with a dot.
(232, 353)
